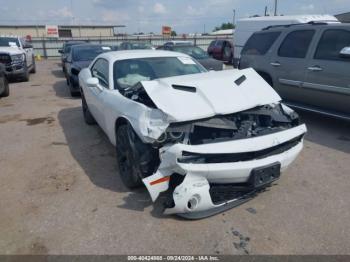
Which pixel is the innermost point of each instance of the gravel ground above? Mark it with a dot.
(60, 192)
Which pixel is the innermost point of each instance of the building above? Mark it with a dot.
(223, 32)
(36, 31)
(344, 17)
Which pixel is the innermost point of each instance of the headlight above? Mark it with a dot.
(18, 58)
(158, 118)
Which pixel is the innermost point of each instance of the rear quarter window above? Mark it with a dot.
(260, 43)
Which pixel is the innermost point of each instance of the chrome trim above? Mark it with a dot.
(290, 82)
(327, 88)
(340, 116)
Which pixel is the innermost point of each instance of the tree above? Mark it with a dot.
(224, 26)
(173, 33)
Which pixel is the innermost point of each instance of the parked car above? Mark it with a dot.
(4, 85)
(247, 26)
(221, 50)
(66, 49)
(135, 46)
(79, 57)
(16, 54)
(199, 54)
(307, 64)
(176, 43)
(210, 139)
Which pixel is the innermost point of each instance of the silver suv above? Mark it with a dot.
(307, 64)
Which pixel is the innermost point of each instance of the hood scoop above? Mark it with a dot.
(185, 88)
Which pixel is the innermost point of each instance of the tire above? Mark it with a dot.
(25, 76)
(33, 70)
(127, 160)
(89, 119)
(5, 84)
(74, 93)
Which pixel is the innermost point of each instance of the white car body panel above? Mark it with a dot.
(237, 172)
(207, 101)
(216, 94)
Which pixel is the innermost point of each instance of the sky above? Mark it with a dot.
(191, 16)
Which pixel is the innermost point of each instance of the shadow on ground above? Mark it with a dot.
(326, 131)
(93, 151)
(58, 73)
(62, 90)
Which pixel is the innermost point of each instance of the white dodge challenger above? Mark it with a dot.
(207, 141)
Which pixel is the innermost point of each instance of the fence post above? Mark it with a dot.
(44, 47)
(195, 40)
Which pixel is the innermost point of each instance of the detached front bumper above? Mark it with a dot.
(226, 163)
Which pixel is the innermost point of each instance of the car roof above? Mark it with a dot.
(11, 36)
(179, 41)
(134, 54)
(89, 45)
(310, 25)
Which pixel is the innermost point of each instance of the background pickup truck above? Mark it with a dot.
(16, 54)
(4, 85)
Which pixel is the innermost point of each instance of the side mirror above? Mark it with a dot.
(60, 51)
(92, 82)
(26, 46)
(345, 52)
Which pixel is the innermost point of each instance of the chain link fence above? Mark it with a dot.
(48, 47)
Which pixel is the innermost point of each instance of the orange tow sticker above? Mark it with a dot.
(160, 180)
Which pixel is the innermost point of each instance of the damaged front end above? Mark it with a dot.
(212, 164)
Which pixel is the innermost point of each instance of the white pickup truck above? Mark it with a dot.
(17, 56)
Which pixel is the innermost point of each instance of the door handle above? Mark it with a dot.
(315, 68)
(275, 63)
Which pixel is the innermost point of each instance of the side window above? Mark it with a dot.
(260, 43)
(219, 43)
(100, 70)
(296, 44)
(331, 43)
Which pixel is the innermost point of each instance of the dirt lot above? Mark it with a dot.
(60, 192)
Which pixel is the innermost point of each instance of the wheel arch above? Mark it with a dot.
(120, 121)
(267, 77)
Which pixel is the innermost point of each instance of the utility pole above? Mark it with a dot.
(275, 8)
(265, 10)
(234, 18)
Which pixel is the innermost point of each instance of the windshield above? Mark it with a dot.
(141, 46)
(9, 41)
(129, 72)
(88, 53)
(69, 45)
(194, 51)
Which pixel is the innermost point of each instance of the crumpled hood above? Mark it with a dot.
(10, 50)
(81, 64)
(216, 93)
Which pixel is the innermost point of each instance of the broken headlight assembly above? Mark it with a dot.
(255, 122)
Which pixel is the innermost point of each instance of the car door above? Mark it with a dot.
(96, 95)
(288, 64)
(328, 73)
(28, 51)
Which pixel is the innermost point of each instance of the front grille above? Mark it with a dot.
(195, 158)
(5, 59)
